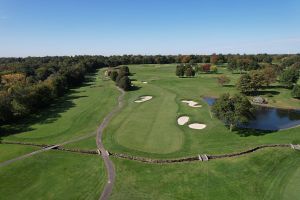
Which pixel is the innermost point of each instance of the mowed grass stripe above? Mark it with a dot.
(53, 175)
(151, 123)
(247, 177)
(11, 151)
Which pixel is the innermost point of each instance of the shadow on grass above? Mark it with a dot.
(264, 92)
(245, 132)
(134, 88)
(47, 115)
(229, 85)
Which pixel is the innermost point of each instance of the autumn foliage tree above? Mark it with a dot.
(223, 79)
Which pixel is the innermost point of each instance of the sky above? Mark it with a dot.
(117, 27)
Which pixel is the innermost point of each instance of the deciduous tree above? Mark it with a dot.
(233, 110)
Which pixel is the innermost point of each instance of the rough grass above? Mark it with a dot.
(53, 175)
(267, 174)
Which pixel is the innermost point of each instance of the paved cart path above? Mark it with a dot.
(104, 153)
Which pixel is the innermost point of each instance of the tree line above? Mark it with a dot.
(30, 84)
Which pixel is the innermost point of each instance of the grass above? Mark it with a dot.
(53, 175)
(59, 175)
(76, 114)
(267, 174)
(150, 129)
(10, 151)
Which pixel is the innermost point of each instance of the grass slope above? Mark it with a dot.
(76, 114)
(53, 175)
(267, 174)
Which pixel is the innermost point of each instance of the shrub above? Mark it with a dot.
(296, 91)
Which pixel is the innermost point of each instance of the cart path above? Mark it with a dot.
(104, 153)
(44, 149)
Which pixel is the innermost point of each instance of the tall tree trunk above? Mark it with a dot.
(231, 127)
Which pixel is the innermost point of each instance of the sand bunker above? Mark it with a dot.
(144, 82)
(143, 99)
(183, 120)
(193, 104)
(197, 126)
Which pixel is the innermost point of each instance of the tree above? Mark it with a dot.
(114, 75)
(243, 83)
(180, 70)
(223, 79)
(269, 74)
(206, 68)
(189, 72)
(5, 107)
(125, 83)
(233, 110)
(214, 59)
(257, 79)
(125, 70)
(120, 75)
(296, 91)
(214, 69)
(289, 77)
(251, 82)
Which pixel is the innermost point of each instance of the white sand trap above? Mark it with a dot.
(143, 99)
(183, 120)
(197, 126)
(144, 82)
(193, 104)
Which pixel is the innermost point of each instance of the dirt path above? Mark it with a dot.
(104, 153)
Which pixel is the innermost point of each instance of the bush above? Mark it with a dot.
(296, 91)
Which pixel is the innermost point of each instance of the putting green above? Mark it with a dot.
(152, 124)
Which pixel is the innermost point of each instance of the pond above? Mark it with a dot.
(268, 118)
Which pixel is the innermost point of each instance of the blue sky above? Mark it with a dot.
(72, 27)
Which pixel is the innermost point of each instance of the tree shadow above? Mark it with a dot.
(134, 88)
(229, 85)
(47, 115)
(264, 92)
(275, 87)
(246, 132)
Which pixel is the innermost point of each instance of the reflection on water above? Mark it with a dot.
(267, 118)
